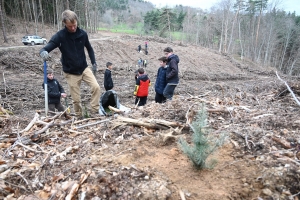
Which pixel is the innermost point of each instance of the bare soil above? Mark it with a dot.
(117, 160)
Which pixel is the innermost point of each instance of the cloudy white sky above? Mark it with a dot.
(287, 5)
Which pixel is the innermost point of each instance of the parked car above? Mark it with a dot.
(33, 40)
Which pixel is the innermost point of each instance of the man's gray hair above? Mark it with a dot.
(69, 16)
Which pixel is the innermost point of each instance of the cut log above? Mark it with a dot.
(149, 123)
(115, 109)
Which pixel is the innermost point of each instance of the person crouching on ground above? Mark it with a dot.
(172, 73)
(161, 81)
(141, 88)
(108, 82)
(55, 92)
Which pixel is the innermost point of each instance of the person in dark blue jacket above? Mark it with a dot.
(161, 80)
(171, 74)
(108, 82)
(55, 92)
(72, 41)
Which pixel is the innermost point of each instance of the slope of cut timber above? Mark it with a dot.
(135, 155)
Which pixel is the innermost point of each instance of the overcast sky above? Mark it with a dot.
(287, 5)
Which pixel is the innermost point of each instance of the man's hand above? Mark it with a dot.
(63, 95)
(44, 55)
(94, 68)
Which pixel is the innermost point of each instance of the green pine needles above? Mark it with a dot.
(203, 144)
(85, 112)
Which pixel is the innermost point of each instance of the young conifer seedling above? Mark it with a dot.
(203, 143)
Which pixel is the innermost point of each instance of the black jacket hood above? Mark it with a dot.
(144, 77)
(175, 57)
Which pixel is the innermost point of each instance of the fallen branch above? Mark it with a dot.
(261, 116)
(87, 119)
(246, 140)
(181, 193)
(289, 159)
(166, 137)
(163, 122)
(236, 145)
(22, 177)
(136, 105)
(26, 147)
(73, 191)
(76, 185)
(189, 116)
(63, 154)
(290, 90)
(49, 125)
(36, 116)
(116, 110)
(285, 144)
(91, 124)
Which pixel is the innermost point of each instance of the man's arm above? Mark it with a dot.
(52, 44)
(90, 50)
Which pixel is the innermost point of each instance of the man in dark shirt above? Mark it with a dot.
(71, 42)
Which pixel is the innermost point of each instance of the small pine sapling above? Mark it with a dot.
(203, 144)
(85, 112)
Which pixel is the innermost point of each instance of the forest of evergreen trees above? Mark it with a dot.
(254, 29)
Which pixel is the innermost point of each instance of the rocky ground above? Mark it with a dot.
(120, 159)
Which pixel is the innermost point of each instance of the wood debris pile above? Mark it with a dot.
(65, 157)
(59, 159)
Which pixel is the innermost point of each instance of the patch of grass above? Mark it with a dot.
(177, 35)
(138, 29)
(124, 28)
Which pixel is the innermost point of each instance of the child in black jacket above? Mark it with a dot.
(55, 92)
(108, 82)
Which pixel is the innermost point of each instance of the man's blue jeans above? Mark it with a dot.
(169, 90)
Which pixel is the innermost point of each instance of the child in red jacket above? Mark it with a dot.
(141, 88)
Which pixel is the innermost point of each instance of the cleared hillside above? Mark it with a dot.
(127, 161)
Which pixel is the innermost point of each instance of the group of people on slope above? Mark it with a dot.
(166, 81)
(146, 48)
(71, 41)
(165, 84)
(142, 63)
